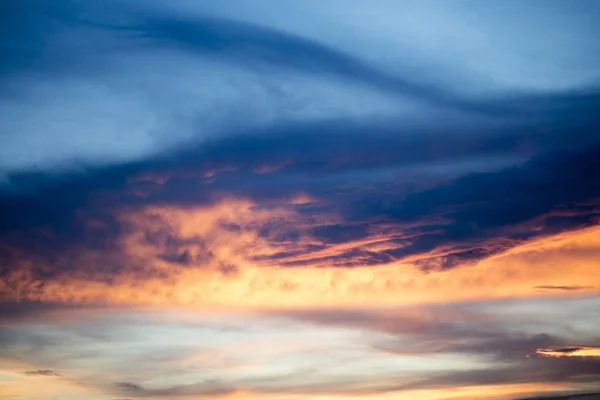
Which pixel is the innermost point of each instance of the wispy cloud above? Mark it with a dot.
(579, 351)
(128, 386)
(42, 372)
(472, 348)
(563, 287)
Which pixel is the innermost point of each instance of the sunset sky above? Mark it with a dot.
(299, 200)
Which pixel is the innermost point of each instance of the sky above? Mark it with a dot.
(316, 200)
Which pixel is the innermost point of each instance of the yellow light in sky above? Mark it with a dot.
(569, 352)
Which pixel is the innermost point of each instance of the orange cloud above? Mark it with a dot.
(576, 351)
(228, 263)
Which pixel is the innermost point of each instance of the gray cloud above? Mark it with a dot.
(494, 334)
(42, 372)
(128, 386)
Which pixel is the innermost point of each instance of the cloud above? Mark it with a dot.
(384, 190)
(469, 330)
(590, 396)
(473, 348)
(246, 44)
(100, 73)
(579, 351)
(41, 372)
(460, 221)
(128, 386)
(241, 42)
(468, 214)
(562, 287)
(220, 255)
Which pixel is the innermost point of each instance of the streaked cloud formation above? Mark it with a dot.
(570, 352)
(404, 351)
(301, 201)
(42, 372)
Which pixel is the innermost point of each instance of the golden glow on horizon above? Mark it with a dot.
(147, 279)
(16, 385)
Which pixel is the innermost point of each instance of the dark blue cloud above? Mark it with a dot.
(56, 39)
(86, 46)
(250, 44)
(311, 157)
(33, 30)
(485, 213)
